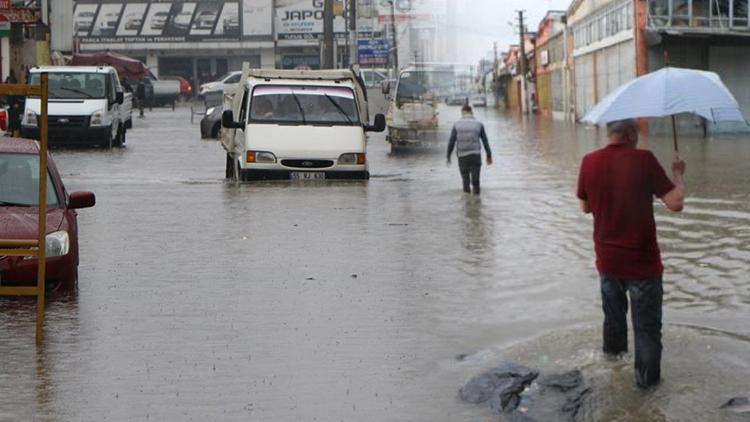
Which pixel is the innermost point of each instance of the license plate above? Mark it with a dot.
(307, 175)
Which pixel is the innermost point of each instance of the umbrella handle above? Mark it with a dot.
(674, 134)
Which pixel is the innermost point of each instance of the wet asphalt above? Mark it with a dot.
(204, 299)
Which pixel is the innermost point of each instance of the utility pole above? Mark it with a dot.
(328, 45)
(394, 35)
(522, 63)
(495, 64)
(354, 47)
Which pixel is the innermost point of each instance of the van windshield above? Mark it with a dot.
(304, 105)
(74, 85)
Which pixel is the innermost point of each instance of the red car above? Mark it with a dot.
(19, 199)
(186, 89)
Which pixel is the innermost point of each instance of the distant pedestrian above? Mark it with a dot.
(15, 108)
(468, 137)
(617, 184)
(140, 95)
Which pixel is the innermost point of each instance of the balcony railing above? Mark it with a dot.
(700, 15)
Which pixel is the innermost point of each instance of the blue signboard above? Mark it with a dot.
(373, 52)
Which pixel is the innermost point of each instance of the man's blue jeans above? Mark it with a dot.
(645, 302)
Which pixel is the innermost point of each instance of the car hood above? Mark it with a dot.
(322, 142)
(68, 107)
(21, 222)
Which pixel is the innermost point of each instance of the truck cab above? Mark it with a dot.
(298, 124)
(413, 109)
(85, 107)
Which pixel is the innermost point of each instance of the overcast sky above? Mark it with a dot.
(481, 22)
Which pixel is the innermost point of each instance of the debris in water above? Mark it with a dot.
(737, 405)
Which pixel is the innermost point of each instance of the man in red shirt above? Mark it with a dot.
(617, 185)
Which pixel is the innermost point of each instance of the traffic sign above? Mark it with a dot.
(373, 52)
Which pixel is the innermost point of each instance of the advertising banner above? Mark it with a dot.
(373, 52)
(302, 20)
(257, 18)
(410, 10)
(156, 21)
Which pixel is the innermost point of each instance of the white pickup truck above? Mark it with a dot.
(298, 124)
(87, 107)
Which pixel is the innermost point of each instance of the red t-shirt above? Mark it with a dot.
(619, 184)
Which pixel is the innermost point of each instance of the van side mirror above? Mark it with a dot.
(79, 200)
(379, 125)
(119, 97)
(386, 87)
(227, 120)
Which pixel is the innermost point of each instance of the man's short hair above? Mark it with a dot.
(622, 126)
(467, 109)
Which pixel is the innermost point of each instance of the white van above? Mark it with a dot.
(299, 124)
(85, 107)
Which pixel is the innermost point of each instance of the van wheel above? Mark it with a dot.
(229, 170)
(120, 140)
(108, 140)
(215, 130)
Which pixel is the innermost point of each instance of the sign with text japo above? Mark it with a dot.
(302, 20)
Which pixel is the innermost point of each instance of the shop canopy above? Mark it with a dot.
(126, 67)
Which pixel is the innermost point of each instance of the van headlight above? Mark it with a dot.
(57, 244)
(99, 118)
(352, 159)
(262, 157)
(30, 118)
(210, 111)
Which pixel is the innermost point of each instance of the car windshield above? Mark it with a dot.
(74, 85)
(19, 181)
(422, 85)
(304, 105)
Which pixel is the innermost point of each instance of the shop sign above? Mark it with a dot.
(133, 21)
(302, 20)
(373, 52)
(21, 15)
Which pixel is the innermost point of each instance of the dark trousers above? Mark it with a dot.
(645, 302)
(469, 167)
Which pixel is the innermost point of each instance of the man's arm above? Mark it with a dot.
(675, 198)
(486, 143)
(451, 143)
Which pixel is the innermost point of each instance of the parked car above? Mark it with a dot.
(457, 99)
(204, 20)
(186, 88)
(299, 125)
(479, 101)
(227, 83)
(374, 77)
(3, 119)
(87, 108)
(211, 122)
(19, 201)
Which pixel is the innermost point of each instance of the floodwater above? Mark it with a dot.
(201, 299)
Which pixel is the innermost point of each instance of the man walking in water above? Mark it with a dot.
(617, 185)
(467, 137)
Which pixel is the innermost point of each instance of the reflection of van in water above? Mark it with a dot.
(299, 124)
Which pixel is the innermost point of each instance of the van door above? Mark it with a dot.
(114, 107)
(239, 134)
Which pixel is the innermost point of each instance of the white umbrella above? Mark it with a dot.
(668, 92)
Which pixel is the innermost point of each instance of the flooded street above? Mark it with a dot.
(202, 299)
